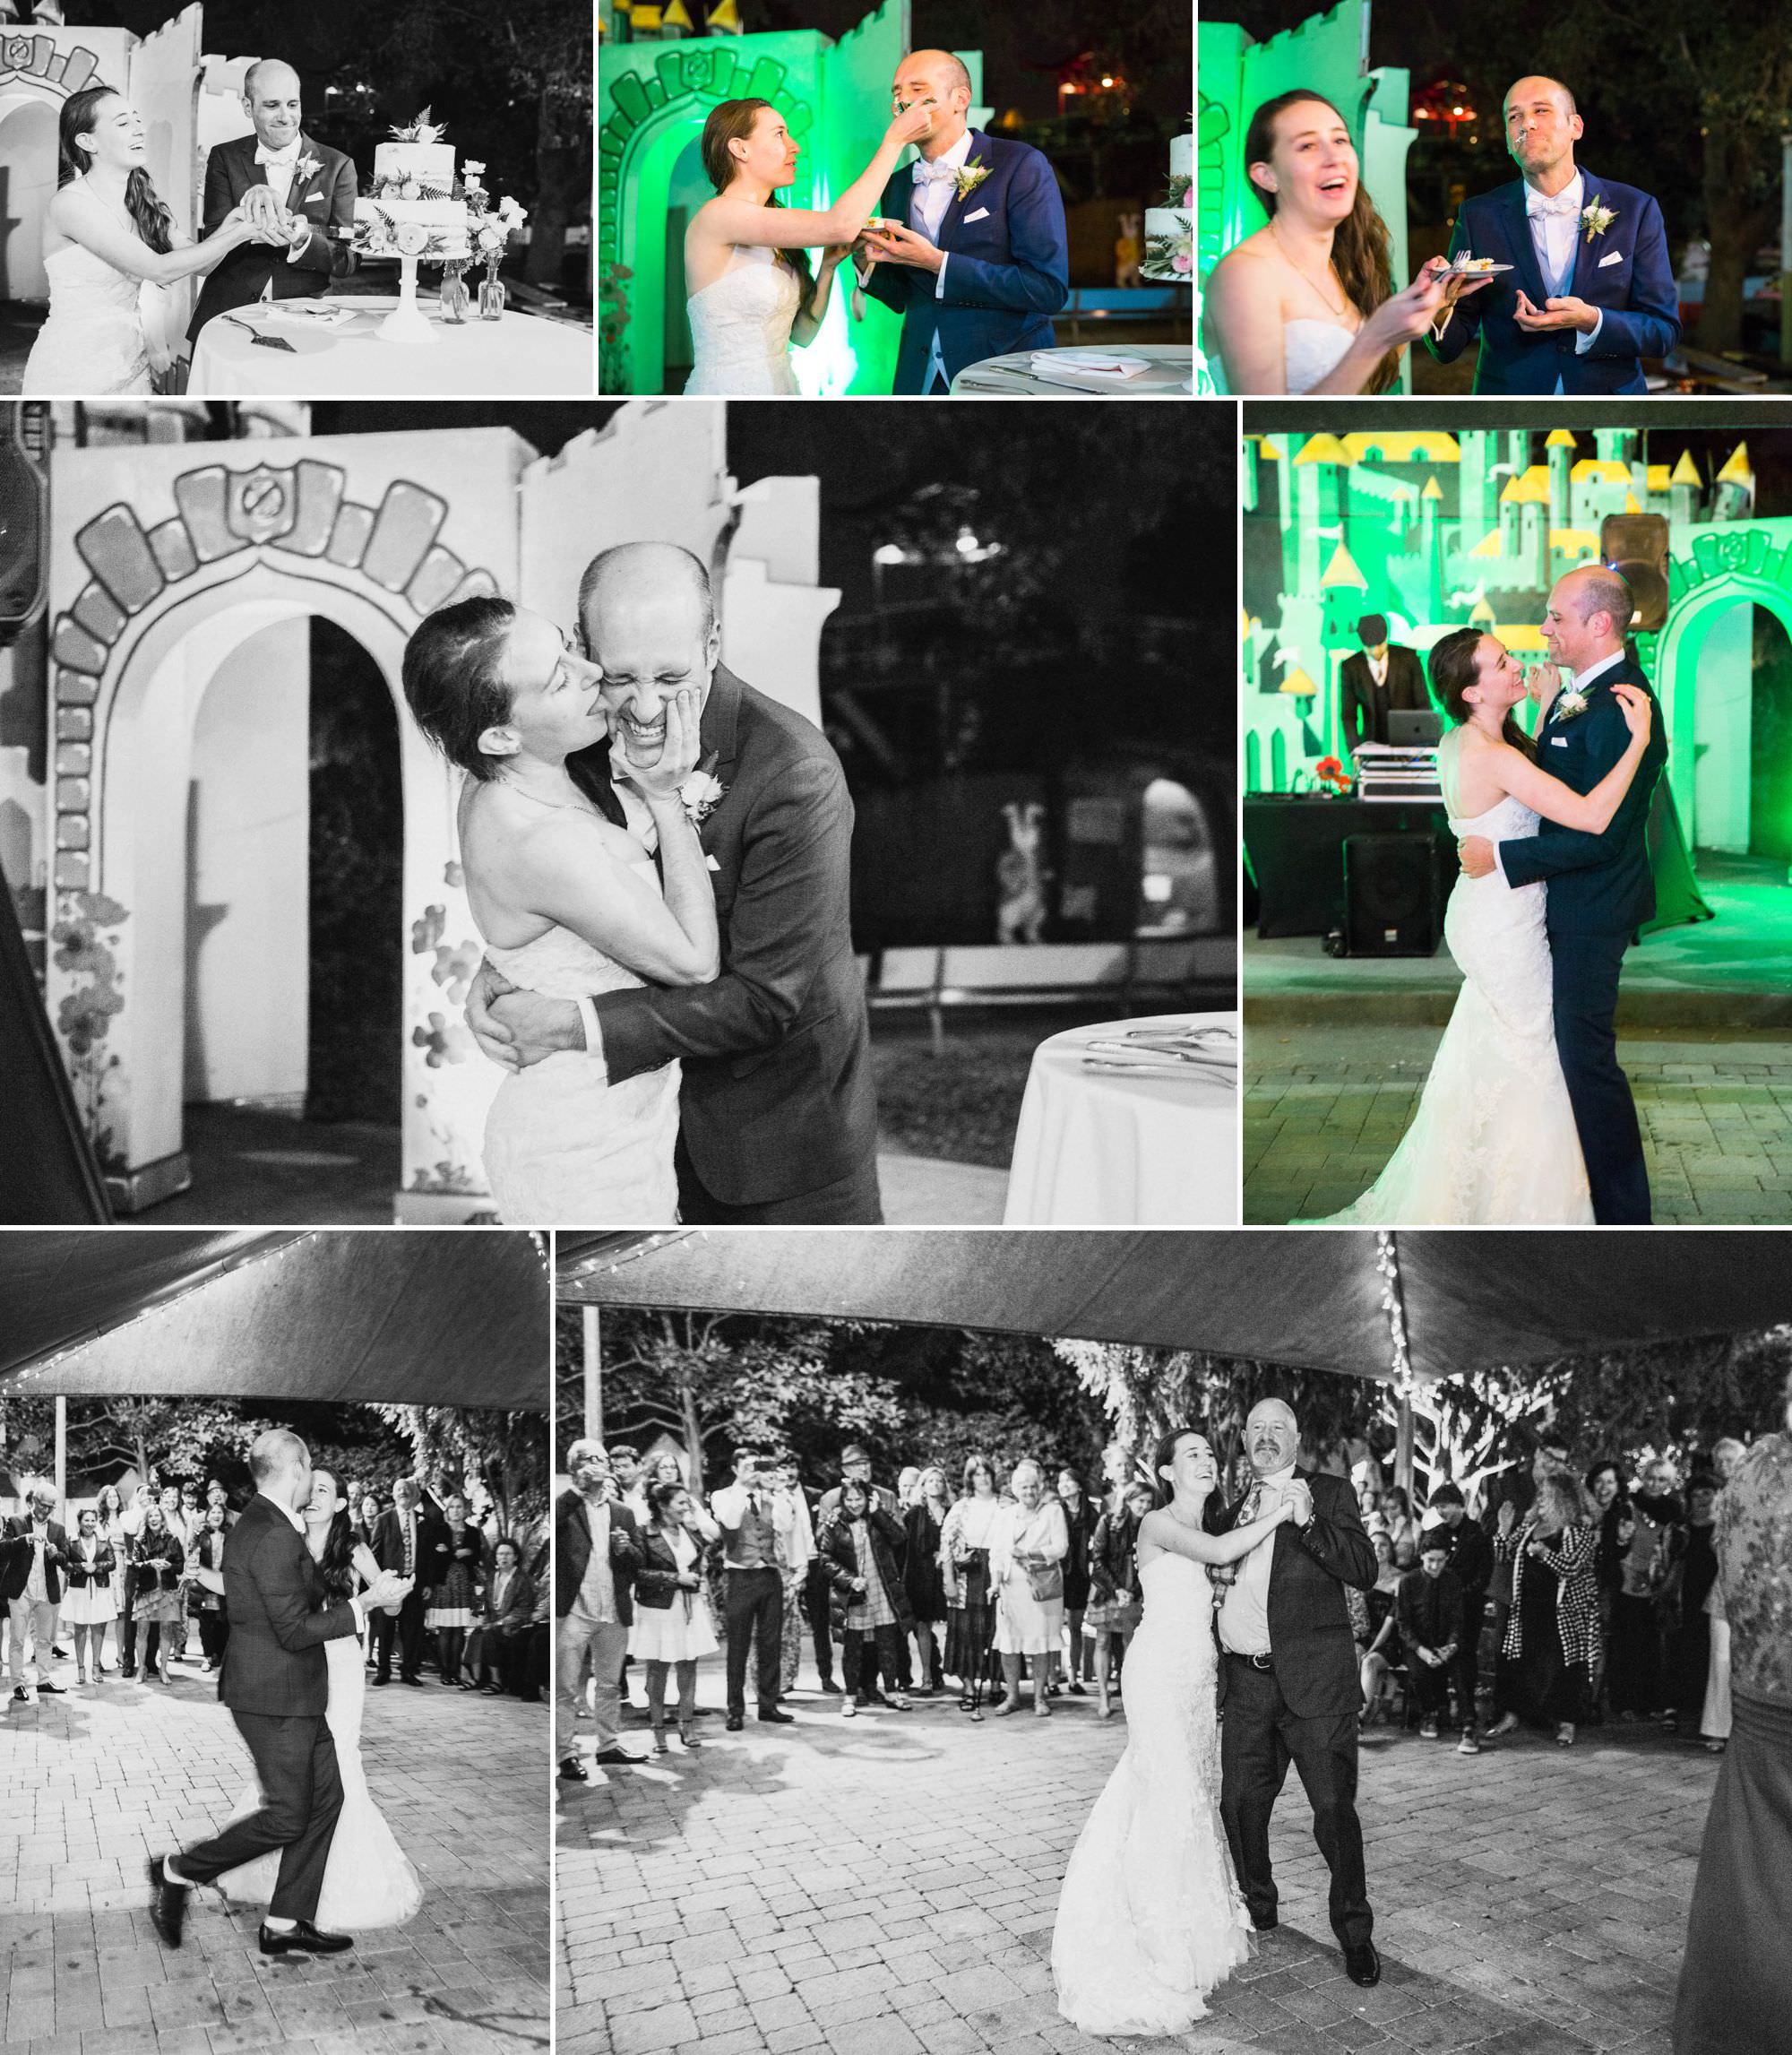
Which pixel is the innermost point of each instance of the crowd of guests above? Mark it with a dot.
(127, 1587)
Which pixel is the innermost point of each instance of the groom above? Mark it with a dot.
(1601, 888)
(275, 1681)
(295, 191)
(973, 251)
(1591, 292)
(1288, 1688)
(778, 1113)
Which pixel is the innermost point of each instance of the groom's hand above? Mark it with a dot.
(898, 246)
(515, 1028)
(1476, 853)
(1564, 313)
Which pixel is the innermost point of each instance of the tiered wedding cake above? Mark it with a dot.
(1169, 230)
(415, 209)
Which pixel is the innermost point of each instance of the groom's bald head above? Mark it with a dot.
(647, 618)
(272, 99)
(941, 78)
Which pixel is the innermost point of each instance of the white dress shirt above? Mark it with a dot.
(928, 205)
(1582, 679)
(1554, 227)
(278, 166)
(1378, 667)
(1244, 1612)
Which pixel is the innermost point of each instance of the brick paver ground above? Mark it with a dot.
(886, 1886)
(92, 1783)
(1324, 1107)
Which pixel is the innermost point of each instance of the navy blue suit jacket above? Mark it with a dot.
(1598, 884)
(1010, 268)
(1625, 273)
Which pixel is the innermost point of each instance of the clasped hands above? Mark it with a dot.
(261, 213)
(387, 1592)
(887, 242)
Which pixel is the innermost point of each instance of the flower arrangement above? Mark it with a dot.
(970, 177)
(1596, 218)
(1333, 777)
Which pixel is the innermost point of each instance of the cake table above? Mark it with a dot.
(1169, 366)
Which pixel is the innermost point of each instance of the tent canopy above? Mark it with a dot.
(393, 1317)
(1310, 1299)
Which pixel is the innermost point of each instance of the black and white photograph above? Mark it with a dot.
(616, 814)
(235, 198)
(275, 1560)
(966, 1600)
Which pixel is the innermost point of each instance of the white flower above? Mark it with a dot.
(472, 170)
(1572, 701)
(1596, 218)
(700, 793)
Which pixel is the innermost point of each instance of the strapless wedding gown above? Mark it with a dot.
(368, 1881)
(1150, 1918)
(740, 327)
(93, 341)
(1310, 349)
(1494, 1141)
(564, 1147)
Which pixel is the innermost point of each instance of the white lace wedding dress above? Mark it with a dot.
(1150, 1918)
(565, 1147)
(740, 327)
(1494, 1141)
(369, 1881)
(93, 341)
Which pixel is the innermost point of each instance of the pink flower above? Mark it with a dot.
(1188, 199)
(1182, 262)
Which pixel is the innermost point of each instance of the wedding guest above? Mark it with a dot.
(367, 1526)
(506, 1607)
(596, 1551)
(1429, 1604)
(1516, 1487)
(859, 1541)
(1471, 1559)
(965, 1536)
(924, 1574)
(1714, 1723)
(1381, 1652)
(109, 1508)
(1396, 1511)
(400, 1547)
(1610, 1495)
(456, 1560)
(32, 1586)
(1080, 1518)
(1027, 1550)
(629, 1478)
(1116, 1605)
(795, 1535)
(1732, 1997)
(205, 1601)
(132, 1526)
(87, 1606)
(1689, 1624)
(1633, 1678)
(161, 1558)
(1553, 1631)
(672, 1626)
(216, 1495)
(754, 1602)
(1307, 303)
(174, 1631)
(856, 1467)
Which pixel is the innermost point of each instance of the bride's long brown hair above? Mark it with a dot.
(1360, 248)
(731, 121)
(81, 116)
(1455, 669)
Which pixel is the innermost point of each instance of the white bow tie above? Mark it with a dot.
(1534, 203)
(285, 157)
(927, 174)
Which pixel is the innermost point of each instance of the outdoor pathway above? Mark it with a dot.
(92, 1782)
(886, 1886)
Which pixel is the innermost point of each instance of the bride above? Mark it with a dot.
(1150, 1918)
(369, 1881)
(569, 902)
(110, 236)
(1494, 1141)
(746, 265)
(1307, 303)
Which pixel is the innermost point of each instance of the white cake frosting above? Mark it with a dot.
(429, 166)
(1169, 228)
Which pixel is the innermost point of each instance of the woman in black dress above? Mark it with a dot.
(159, 1559)
(964, 1562)
(1545, 1668)
(1080, 1517)
(923, 1578)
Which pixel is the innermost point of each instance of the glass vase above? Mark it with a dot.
(457, 303)
(491, 295)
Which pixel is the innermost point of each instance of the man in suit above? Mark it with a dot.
(276, 1683)
(30, 1582)
(1591, 290)
(1382, 677)
(778, 1113)
(295, 190)
(1601, 889)
(1288, 1679)
(597, 1550)
(983, 261)
(398, 1546)
(752, 1583)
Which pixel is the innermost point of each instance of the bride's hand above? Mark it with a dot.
(912, 124)
(1398, 321)
(1635, 706)
(1544, 683)
(659, 782)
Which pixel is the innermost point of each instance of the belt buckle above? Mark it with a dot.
(1259, 1662)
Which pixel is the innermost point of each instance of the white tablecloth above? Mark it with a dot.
(1170, 364)
(520, 356)
(1098, 1149)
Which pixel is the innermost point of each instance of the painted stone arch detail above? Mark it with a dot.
(295, 515)
(1728, 552)
(684, 80)
(36, 60)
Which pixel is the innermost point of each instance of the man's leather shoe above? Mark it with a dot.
(1268, 1924)
(1362, 1965)
(573, 1770)
(46, 1689)
(382, 1680)
(168, 1903)
(417, 1681)
(303, 1938)
(734, 1723)
(619, 1757)
(771, 1717)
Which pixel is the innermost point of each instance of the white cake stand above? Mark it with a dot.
(407, 323)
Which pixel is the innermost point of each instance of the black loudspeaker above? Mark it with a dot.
(1393, 895)
(1635, 545)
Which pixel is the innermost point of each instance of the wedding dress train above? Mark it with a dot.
(564, 1147)
(368, 1881)
(740, 327)
(1150, 1918)
(93, 341)
(1494, 1141)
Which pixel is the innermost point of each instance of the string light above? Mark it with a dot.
(581, 1270)
(1393, 1304)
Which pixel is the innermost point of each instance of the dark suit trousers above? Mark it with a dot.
(754, 1606)
(853, 1201)
(411, 1618)
(127, 1627)
(301, 1796)
(382, 1629)
(1259, 1737)
(1585, 974)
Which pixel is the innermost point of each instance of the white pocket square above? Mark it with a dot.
(310, 197)
(982, 214)
(1616, 257)
(1558, 741)
(713, 863)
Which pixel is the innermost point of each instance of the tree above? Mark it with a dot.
(461, 1447)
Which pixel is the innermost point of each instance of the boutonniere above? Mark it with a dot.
(1569, 703)
(1596, 218)
(970, 177)
(700, 795)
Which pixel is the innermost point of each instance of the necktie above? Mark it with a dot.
(409, 1545)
